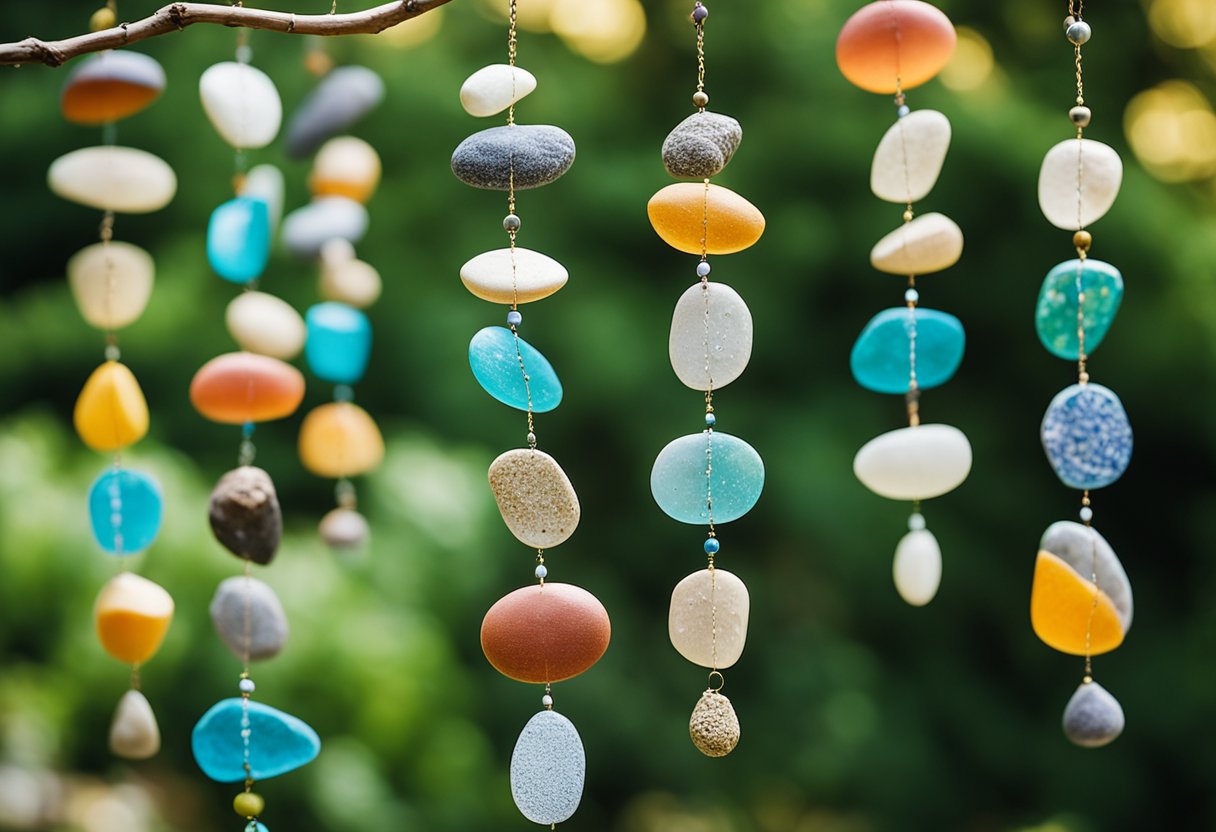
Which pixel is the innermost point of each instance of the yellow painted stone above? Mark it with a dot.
(684, 213)
(132, 615)
(1061, 605)
(111, 412)
(346, 166)
(339, 440)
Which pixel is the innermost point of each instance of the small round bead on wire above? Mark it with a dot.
(514, 318)
(247, 686)
(712, 545)
(542, 572)
(511, 222)
(703, 269)
(700, 13)
(1078, 32)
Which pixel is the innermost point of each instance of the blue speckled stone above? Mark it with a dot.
(134, 500)
(339, 342)
(238, 239)
(682, 487)
(495, 364)
(880, 359)
(279, 742)
(548, 769)
(1087, 436)
(1055, 316)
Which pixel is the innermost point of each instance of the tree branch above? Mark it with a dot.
(178, 16)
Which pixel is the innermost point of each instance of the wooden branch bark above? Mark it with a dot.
(177, 16)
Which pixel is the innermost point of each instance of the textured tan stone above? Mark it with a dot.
(535, 497)
(714, 726)
(708, 619)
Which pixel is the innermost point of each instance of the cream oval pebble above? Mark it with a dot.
(930, 243)
(707, 622)
(134, 734)
(242, 103)
(1078, 182)
(711, 336)
(494, 88)
(111, 284)
(352, 282)
(109, 178)
(909, 158)
(535, 497)
(265, 182)
(918, 567)
(915, 463)
(519, 276)
(267, 325)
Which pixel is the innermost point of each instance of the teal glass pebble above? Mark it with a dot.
(238, 239)
(495, 364)
(881, 356)
(339, 342)
(693, 469)
(125, 510)
(1055, 315)
(278, 742)
(255, 826)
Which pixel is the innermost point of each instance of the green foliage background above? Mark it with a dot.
(859, 713)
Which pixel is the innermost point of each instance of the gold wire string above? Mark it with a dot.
(512, 49)
(700, 26)
(1093, 576)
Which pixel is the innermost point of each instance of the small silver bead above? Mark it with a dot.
(916, 522)
(1087, 514)
(113, 353)
(531, 438)
(903, 110)
(911, 296)
(511, 222)
(1079, 33)
(703, 269)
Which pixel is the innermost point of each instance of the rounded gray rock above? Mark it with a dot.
(344, 529)
(701, 145)
(247, 608)
(343, 97)
(537, 153)
(1093, 718)
(245, 514)
(548, 769)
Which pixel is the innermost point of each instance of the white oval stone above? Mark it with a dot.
(502, 277)
(352, 282)
(711, 336)
(242, 103)
(307, 229)
(109, 178)
(915, 463)
(111, 284)
(1078, 182)
(134, 734)
(918, 567)
(909, 158)
(928, 244)
(548, 769)
(267, 325)
(494, 88)
(535, 497)
(265, 182)
(708, 618)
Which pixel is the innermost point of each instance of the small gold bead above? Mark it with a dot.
(700, 98)
(248, 804)
(103, 18)
(1083, 378)
(1082, 240)
(318, 63)
(908, 215)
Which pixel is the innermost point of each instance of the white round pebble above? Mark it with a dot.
(915, 463)
(909, 158)
(265, 324)
(711, 336)
(930, 243)
(918, 567)
(707, 622)
(111, 283)
(110, 178)
(494, 88)
(242, 103)
(1078, 182)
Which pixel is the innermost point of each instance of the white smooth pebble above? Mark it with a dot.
(242, 103)
(265, 182)
(134, 733)
(494, 88)
(548, 769)
(915, 463)
(306, 230)
(110, 178)
(535, 497)
(1078, 182)
(909, 158)
(265, 324)
(501, 276)
(111, 284)
(352, 282)
(707, 622)
(918, 567)
(930, 243)
(711, 336)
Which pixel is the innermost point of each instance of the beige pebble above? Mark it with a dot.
(930, 243)
(535, 497)
(134, 734)
(707, 622)
(909, 158)
(111, 283)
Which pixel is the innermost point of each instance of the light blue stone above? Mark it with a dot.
(494, 358)
(1087, 436)
(254, 826)
(238, 239)
(339, 342)
(695, 470)
(278, 742)
(881, 359)
(126, 509)
(1055, 317)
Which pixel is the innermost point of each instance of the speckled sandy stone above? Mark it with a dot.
(909, 158)
(535, 497)
(701, 145)
(1093, 718)
(708, 618)
(548, 769)
(537, 154)
(711, 336)
(1078, 182)
(930, 243)
(267, 622)
(714, 726)
(245, 514)
(134, 734)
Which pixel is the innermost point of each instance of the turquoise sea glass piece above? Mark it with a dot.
(278, 742)
(1055, 316)
(126, 509)
(1087, 436)
(881, 359)
(494, 359)
(339, 342)
(238, 239)
(707, 469)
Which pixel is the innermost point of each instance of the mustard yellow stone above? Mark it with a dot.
(684, 213)
(340, 440)
(1061, 605)
(111, 412)
(132, 615)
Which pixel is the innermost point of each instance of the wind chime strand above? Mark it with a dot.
(1081, 600)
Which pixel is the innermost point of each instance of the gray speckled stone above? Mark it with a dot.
(245, 514)
(1087, 552)
(267, 620)
(701, 145)
(548, 768)
(539, 154)
(1093, 718)
(343, 97)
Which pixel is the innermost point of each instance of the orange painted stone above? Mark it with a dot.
(240, 387)
(111, 412)
(684, 213)
(1061, 603)
(111, 86)
(892, 44)
(340, 439)
(132, 615)
(548, 633)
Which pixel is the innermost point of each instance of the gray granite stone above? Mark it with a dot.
(267, 622)
(701, 145)
(538, 154)
(1093, 717)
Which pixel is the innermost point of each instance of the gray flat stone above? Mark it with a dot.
(538, 154)
(267, 622)
(344, 96)
(701, 145)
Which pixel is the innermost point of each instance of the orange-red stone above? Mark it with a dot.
(894, 44)
(542, 634)
(241, 387)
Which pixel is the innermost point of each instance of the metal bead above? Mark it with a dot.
(1080, 116)
(700, 98)
(514, 318)
(703, 269)
(531, 438)
(699, 13)
(908, 215)
(113, 353)
(1082, 240)
(1079, 32)
(511, 222)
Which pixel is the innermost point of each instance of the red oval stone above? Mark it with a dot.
(240, 387)
(545, 634)
(892, 44)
